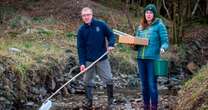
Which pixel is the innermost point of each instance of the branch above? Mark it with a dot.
(206, 9)
(166, 9)
(72, 69)
(113, 20)
(118, 70)
(126, 12)
(195, 7)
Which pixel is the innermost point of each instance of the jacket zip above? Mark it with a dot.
(143, 49)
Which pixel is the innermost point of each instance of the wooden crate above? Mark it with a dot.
(133, 40)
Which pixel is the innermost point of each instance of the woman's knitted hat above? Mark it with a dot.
(152, 8)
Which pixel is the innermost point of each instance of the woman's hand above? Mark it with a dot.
(162, 51)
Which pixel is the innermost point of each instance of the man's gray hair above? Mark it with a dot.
(86, 9)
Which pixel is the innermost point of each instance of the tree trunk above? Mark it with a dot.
(169, 17)
(188, 10)
(126, 11)
(207, 8)
(182, 16)
(158, 3)
(195, 7)
(175, 16)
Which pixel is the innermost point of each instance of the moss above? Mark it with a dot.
(194, 94)
(42, 20)
(33, 48)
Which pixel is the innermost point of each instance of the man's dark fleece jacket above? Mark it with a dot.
(91, 41)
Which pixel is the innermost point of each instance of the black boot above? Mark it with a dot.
(89, 98)
(110, 94)
(154, 107)
(146, 107)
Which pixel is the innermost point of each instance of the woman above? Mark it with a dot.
(152, 28)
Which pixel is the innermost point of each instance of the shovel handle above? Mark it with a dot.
(77, 76)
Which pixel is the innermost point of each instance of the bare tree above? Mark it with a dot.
(195, 7)
(169, 17)
(207, 8)
(126, 11)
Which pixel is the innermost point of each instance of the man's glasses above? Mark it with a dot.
(86, 15)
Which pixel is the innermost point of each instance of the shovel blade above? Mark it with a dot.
(46, 105)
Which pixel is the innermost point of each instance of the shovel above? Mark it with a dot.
(47, 104)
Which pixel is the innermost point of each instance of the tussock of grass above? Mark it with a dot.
(42, 20)
(6, 11)
(34, 47)
(192, 96)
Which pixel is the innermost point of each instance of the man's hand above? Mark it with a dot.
(82, 68)
(110, 49)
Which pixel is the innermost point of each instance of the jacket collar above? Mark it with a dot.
(157, 20)
(91, 23)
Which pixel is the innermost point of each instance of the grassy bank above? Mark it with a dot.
(194, 93)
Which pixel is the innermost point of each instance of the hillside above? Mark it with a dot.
(38, 50)
(38, 54)
(194, 94)
(66, 11)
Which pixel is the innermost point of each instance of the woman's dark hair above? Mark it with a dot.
(153, 9)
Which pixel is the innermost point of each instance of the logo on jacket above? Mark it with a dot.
(97, 29)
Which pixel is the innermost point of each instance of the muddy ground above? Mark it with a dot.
(125, 99)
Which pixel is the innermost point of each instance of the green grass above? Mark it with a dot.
(195, 91)
(45, 32)
(33, 50)
(124, 48)
(6, 11)
(19, 22)
(199, 78)
(70, 35)
(42, 20)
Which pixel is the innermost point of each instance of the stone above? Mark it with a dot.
(53, 84)
(163, 89)
(14, 50)
(43, 91)
(2, 69)
(138, 100)
(30, 104)
(192, 67)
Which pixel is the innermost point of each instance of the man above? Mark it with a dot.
(94, 38)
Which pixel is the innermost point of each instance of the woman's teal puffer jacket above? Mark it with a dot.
(158, 38)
